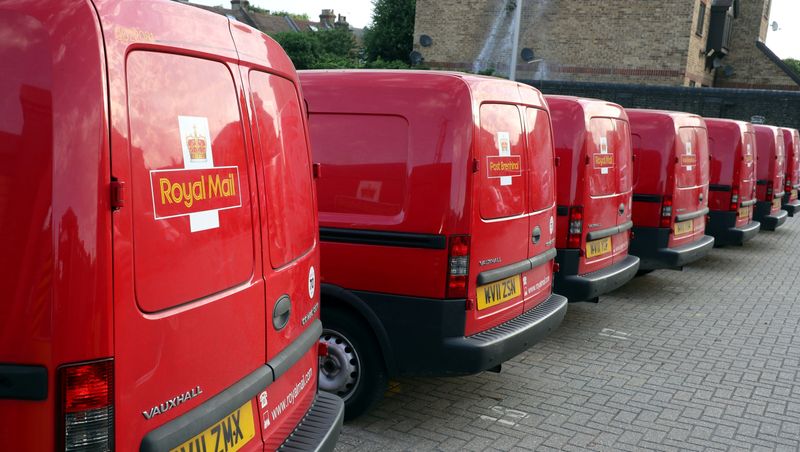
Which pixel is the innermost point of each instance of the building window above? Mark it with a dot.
(701, 19)
(692, 83)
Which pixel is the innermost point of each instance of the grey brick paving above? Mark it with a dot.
(703, 359)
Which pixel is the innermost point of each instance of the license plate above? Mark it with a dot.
(498, 292)
(776, 203)
(684, 227)
(229, 434)
(793, 194)
(744, 212)
(598, 247)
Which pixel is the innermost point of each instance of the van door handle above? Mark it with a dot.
(536, 235)
(281, 312)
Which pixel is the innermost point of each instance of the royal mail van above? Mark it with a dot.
(771, 173)
(160, 259)
(670, 188)
(594, 188)
(791, 146)
(437, 221)
(732, 183)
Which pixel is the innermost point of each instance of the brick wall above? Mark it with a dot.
(778, 107)
(696, 57)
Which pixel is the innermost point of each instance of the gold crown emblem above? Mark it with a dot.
(196, 144)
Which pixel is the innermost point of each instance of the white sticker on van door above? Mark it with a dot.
(688, 160)
(604, 161)
(197, 154)
(504, 166)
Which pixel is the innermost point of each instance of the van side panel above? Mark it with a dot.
(54, 205)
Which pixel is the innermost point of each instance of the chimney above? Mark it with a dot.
(327, 18)
(341, 22)
(239, 4)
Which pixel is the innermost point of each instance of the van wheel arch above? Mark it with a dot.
(340, 298)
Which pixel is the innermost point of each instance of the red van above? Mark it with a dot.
(732, 186)
(791, 145)
(670, 188)
(771, 172)
(437, 221)
(594, 188)
(160, 264)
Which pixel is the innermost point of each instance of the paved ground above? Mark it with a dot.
(704, 359)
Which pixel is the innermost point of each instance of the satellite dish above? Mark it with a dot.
(416, 57)
(728, 71)
(425, 40)
(527, 55)
(758, 119)
(716, 63)
(775, 26)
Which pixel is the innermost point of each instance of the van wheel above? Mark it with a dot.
(353, 369)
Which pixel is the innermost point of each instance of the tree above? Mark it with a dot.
(391, 34)
(294, 16)
(794, 64)
(327, 49)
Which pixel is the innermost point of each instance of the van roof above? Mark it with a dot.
(591, 107)
(481, 88)
(730, 124)
(678, 118)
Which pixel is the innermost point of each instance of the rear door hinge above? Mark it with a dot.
(118, 194)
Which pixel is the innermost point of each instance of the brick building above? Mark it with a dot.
(673, 42)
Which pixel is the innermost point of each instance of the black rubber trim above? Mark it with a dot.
(722, 226)
(719, 187)
(21, 382)
(796, 186)
(761, 182)
(590, 285)
(287, 358)
(383, 238)
(320, 427)
(180, 429)
(602, 233)
(749, 203)
(691, 215)
(496, 274)
(562, 211)
(646, 198)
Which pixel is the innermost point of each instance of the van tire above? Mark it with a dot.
(341, 327)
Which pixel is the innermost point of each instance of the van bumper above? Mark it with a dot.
(791, 207)
(590, 285)
(319, 430)
(768, 222)
(426, 336)
(722, 225)
(651, 245)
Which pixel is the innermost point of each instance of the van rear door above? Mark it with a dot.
(690, 195)
(500, 230)
(779, 174)
(608, 176)
(538, 282)
(747, 174)
(188, 291)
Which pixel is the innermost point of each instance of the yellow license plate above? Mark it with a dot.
(230, 434)
(793, 194)
(744, 212)
(776, 203)
(498, 292)
(598, 247)
(684, 227)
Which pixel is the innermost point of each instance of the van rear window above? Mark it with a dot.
(192, 221)
(540, 154)
(608, 151)
(691, 157)
(364, 163)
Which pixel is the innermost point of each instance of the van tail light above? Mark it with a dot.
(666, 212)
(788, 187)
(458, 266)
(575, 232)
(734, 199)
(87, 406)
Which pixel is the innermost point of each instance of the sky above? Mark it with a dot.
(785, 42)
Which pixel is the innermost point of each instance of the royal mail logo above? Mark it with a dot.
(688, 160)
(603, 160)
(187, 191)
(503, 166)
(198, 147)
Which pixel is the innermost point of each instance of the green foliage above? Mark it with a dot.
(794, 64)
(294, 16)
(392, 32)
(328, 49)
(381, 64)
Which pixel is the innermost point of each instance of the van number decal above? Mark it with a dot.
(503, 166)
(199, 190)
(603, 160)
